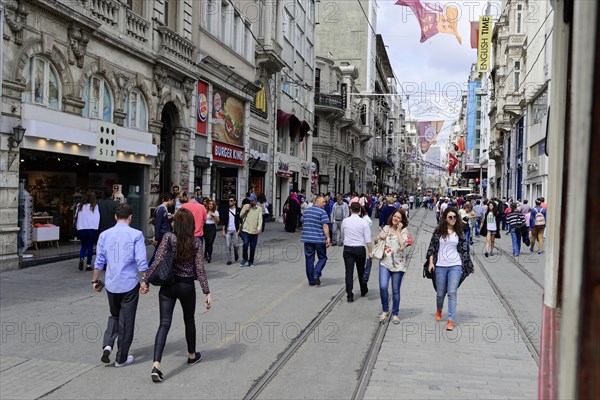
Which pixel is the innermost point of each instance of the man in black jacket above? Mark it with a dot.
(231, 225)
(107, 208)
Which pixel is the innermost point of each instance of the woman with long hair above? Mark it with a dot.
(88, 220)
(393, 264)
(490, 224)
(264, 204)
(210, 229)
(188, 265)
(449, 257)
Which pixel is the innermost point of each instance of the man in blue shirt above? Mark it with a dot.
(315, 237)
(123, 250)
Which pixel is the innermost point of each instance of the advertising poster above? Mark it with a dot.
(202, 108)
(229, 187)
(228, 119)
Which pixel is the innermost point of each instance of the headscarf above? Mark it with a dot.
(293, 196)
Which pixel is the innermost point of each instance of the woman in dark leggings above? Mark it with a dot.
(210, 229)
(188, 265)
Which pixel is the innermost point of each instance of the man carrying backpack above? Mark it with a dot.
(538, 225)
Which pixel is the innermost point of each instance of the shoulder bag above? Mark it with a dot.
(163, 274)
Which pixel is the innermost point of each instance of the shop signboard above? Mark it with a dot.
(226, 153)
(202, 108)
(227, 119)
(284, 170)
(106, 142)
(229, 187)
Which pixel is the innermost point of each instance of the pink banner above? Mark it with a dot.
(434, 20)
(428, 132)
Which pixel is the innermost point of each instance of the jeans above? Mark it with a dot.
(231, 242)
(121, 323)
(477, 225)
(249, 239)
(337, 231)
(355, 255)
(516, 241)
(314, 271)
(468, 237)
(447, 280)
(210, 233)
(87, 238)
(384, 280)
(185, 292)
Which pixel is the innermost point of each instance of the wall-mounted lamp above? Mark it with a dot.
(13, 142)
(158, 161)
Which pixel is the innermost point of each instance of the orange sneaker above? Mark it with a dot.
(450, 326)
(438, 315)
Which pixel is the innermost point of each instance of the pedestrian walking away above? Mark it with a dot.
(123, 250)
(188, 265)
(162, 219)
(210, 229)
(516, 222)
(88, 221)
(251, 217)
(357, 234)
(468, 216)
(449, 258)
(538, 225)
(292, 212)
(231, 227)
(392, 265)
(316, 239)
(262, 202)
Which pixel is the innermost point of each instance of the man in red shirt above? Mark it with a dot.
(199, 213)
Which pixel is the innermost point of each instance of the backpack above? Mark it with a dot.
(539, 219)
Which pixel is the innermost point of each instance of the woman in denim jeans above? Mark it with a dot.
(393, 263)
(448, 256)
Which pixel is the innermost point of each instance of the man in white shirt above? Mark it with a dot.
(356, 234)
(411, 200)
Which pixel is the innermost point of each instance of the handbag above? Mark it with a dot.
(498, 235)
(367, 272)
(163, 274)
(379, 249)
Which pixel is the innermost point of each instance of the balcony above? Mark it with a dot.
(137, 27)
(517, 40)
(329, 104)
(106, 11)
(365, 133)
(268, 56)
(171, 44)
(512, 104)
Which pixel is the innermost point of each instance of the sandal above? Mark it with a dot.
(383, 316)
(396, 319)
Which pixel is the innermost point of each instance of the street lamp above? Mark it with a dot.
(13, 142)
(158, 162)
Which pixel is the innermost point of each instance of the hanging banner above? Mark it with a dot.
(202, 108)
(428, 132)
(485, 43)
(452, 162)
(434, 19)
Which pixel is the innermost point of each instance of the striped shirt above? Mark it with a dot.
(515, 219)
(313, 220)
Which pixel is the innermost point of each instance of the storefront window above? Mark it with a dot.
(98, 99)
(42, 85)
(135, 108)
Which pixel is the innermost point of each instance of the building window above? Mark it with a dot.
(98, 99)
(261, 19)
(519, 17)
(42, 85)
(210, 13)
(299, 41)
(248, 44)
(287, 26)
(316, 128)
(137, 6)
(135, 108)
(171, 14)
(309, 53)
(237, 33)
(224, 23)
(517, 75)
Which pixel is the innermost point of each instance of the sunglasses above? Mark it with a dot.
(232, 201)
(451, 217)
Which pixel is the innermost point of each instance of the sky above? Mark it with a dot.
(434, 73)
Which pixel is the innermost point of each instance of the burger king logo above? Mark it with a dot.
(217, 103)
(202, 108)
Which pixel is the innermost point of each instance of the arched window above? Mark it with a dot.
(135, 108)
(98, 99)
(42, 85)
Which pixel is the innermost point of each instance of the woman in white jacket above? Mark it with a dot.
(88, 220)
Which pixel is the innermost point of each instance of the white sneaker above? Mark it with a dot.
(128, 362)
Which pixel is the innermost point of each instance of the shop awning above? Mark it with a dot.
(304, 128)
(284, 118)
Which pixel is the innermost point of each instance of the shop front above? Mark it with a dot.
(227, 163)
(257, 166)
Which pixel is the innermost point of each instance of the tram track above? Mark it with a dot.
(368, 363)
